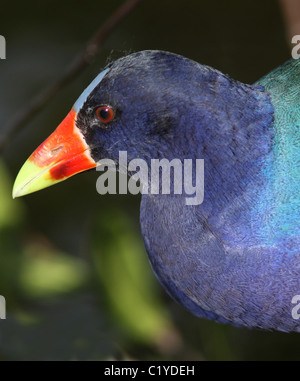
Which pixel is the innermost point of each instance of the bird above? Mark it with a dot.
(234, 258)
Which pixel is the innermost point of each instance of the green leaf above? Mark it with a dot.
(48, 272)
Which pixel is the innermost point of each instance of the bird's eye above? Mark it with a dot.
(105, 113)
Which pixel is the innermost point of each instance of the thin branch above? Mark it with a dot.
(81, 61)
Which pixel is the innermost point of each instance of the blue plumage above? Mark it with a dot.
(235, 258)
(280, 201)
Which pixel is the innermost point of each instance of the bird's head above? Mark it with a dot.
(152, 104)
(135, 104)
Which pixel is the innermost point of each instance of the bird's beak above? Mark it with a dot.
(62, 155)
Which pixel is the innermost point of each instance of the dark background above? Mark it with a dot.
(73, 267)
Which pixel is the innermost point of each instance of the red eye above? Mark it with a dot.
(105, 114)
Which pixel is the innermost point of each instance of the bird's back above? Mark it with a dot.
(279, 201)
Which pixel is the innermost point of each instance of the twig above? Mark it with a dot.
(80, 62)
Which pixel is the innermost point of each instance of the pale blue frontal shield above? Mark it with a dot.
(80, 101)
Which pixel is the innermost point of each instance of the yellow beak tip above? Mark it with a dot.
(14, 194)
(31, 178)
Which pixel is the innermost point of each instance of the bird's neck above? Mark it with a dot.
(234, 137)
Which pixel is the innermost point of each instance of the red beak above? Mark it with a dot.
(60, 156)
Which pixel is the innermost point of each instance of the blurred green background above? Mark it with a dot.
(73, 267)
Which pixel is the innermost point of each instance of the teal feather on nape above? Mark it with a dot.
(281, 198)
